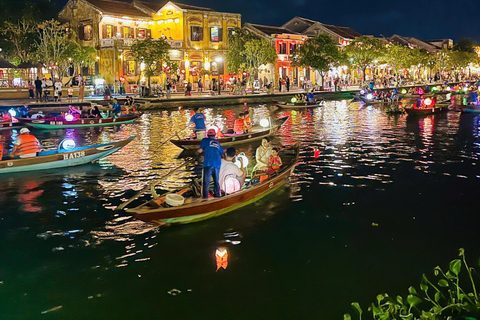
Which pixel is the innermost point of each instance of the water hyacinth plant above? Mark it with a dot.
(440, 297)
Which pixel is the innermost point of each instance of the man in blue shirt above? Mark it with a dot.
(211, 163)
(198, 119)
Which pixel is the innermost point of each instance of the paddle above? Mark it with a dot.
(170, 138)
(151, 186)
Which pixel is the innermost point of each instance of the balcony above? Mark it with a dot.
(127, 42)
(106, 43)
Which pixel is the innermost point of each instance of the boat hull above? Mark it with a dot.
(233, 140)
(59, 123)
(426, 111)
(297, 106)
(54, 160)
(10, 125)
(470, 108)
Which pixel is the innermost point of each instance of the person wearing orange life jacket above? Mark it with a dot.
(248, 122)
(239, 126)
(1, 147)
(26, 146)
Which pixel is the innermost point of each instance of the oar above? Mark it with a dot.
(170, 138)
(151, 185)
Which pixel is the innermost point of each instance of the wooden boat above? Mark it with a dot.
(10, 125)
(438, 108)
(197, 209)
(59, 123)
(62, 158)
(254, 134)
(297, 105)
(470, 108)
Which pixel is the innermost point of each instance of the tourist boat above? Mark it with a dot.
(232, 139)
(470, 108)
(61, 122)
(438, 108)
(196, 209)
(297, 105)
(54, 159)
(10, 125)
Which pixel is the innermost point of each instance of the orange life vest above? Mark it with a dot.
(239, 125)
(28, 144)
(1, 151)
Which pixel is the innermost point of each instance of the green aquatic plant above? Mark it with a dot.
(440, 297)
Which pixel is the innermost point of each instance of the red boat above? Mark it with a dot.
(438, 108)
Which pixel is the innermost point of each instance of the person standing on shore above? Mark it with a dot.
(81, 91)
(30, 90)
(279, 84)
(58, 88)
(287, 83)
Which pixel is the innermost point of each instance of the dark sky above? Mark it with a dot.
(421, 19)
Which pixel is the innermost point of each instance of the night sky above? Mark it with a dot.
(421, 19)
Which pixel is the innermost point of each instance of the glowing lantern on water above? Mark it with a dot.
(404, 91)
(293, 100)
(449, 89)
(465, 89)
(428, 101)
(362, 92)
(237, 161)
(434, 88)
(69, 117)
(369, 96)
(221, 256)
(264, 122)
(293, 112)
(316, 152)
(12, 112)
(420, 91)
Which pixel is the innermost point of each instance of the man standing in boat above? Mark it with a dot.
(26, 146)
(198, 119)
(212, 161)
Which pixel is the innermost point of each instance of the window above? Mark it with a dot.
(282, 48)
(293, 47)
(197, 33)
(142, 33)
(126, 32)
(216, 34)
(231, 32)
(87, 32)
(108, 31)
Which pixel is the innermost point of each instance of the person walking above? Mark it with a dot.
(287, 83)
(212, 151)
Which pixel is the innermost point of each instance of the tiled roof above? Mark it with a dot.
(154, 6)
(269, 30)
(344, 32)
(189, 7)
(4, 64)
(298, 24)
(118, 8)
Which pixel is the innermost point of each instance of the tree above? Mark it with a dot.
(20, 35)
(320, 53)
(152, 53)
(362, 52)
(54, 47)
(400, 58)
(83, 56)
(248, 52)
(465, 45)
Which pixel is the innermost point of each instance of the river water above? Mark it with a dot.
(387, 199)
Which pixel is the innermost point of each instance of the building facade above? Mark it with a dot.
(198, 37)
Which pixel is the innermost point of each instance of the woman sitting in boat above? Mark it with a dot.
(262, 155)
(96, 112)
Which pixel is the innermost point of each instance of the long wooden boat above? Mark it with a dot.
(470, 108)
(62, 158)
(198, 209)
(59, 123)
(254, 134)
(289, 105)
(10, 125)
(438, 108)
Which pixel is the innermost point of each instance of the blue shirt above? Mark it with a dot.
(116, 107)
(199, 120)
(212, 151)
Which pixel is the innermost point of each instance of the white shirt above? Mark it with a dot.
(58, 86)
(226, 168)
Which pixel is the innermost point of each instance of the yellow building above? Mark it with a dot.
(198, 36)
